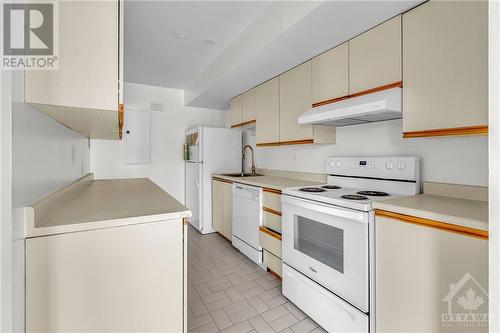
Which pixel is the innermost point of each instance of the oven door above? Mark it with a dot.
(328, 244)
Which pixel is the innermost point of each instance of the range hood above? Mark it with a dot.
(378, 106)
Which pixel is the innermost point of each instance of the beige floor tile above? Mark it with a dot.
(234, 294)
(236, 306)
(197, 307)
(219, 304)
(243, 315)
(208, 328)
(260, 325)
(221, 319)
(304, 326)
(275, 301)
(242, 327)
(275, 313)
(257, 290)
(258, 304)
(295, 310)
(283, 322)
(214, 296)
(199, 321)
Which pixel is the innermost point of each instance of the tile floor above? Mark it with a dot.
(229, 293)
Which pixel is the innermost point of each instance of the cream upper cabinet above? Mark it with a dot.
(268, 111)
(445, 67)
(375, 57)
(218, 205)
(84, 93)
(248, 111)
(416, 267)
(295, 99)
(235, 111)
(330, 74)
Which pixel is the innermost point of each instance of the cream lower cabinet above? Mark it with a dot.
(295, 99)
(445, 69)
(85, 92)
(270, 232)
(126, 278)
(268, 111)
(425, 276)
(375, 57)
(222, 208)
(330, 74)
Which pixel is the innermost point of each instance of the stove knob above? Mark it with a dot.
(389, 165)
(339, 164)
(332, 164)
(401, 165)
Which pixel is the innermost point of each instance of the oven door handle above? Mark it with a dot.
(352, 215)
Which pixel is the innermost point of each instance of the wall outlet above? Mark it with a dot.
(295, 155)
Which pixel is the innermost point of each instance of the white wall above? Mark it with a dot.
(167, 138)
(459, 160)
(45, 156)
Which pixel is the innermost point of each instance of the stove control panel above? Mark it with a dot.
(390, 167)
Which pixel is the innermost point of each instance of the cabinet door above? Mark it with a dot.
(375, 57)
(235, 111)
(218, 206)
(248, 111)
(108, 280)
(268, 111)
(416, 269)
(295, 99)
(330, 74)
(88, 59)
(445, 67)
(228, 211)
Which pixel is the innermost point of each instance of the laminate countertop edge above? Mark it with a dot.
(460, 212)
(103, 204)
(275, 183)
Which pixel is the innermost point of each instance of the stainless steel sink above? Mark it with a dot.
(239, 174)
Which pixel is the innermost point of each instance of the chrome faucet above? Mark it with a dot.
(243, 160)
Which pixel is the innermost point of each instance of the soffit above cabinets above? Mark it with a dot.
(295, 31)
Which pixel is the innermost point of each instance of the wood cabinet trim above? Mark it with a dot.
(222, 180)
(397, 84)
(466, 231)
(470, 130)
(285, 143)
(271, 190)
(272, 211)
(276, 275)
(270, 233)
(246, 123)
(121, 114)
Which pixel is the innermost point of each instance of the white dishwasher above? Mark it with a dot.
(247, 218)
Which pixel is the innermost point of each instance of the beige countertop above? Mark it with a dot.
(461, 212)
(90, 204)
(276, 183)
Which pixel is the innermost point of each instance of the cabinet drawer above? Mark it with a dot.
(270, 241)
(272, 221)
(272, 262)
(271, 200)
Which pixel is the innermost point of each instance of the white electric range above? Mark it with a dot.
(328, 238)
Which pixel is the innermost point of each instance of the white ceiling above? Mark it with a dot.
(154, 56)
(255, 41)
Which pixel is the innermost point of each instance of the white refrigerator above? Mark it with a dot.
(211, 150)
